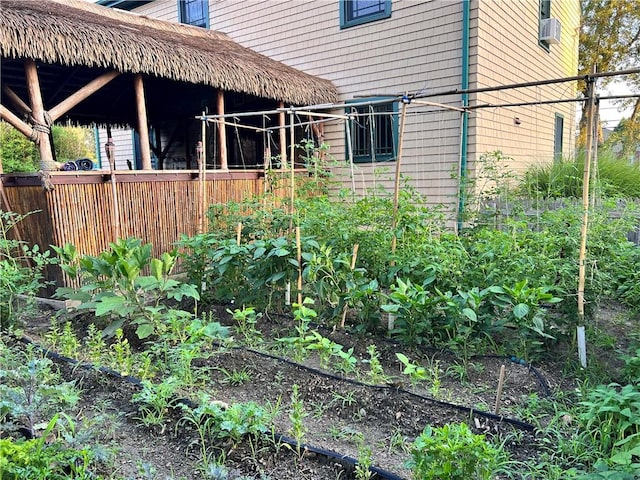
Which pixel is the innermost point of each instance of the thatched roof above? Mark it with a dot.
(78, 33)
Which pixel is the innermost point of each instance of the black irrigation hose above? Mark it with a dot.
(544, 383)
(344, 460)
(471, 411)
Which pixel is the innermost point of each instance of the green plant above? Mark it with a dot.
(246, 320)
(31, 392)
(416, 311)
(155, 400)
(611, 417)
(416, 373)
(21, 271)
(122, 358)
(375, 374)
(113, 286)
(297, 415)
(302, 316)
(40, 458)
(453, 452)
(365, 460)
(235, 377)
(94, 344)
(69, 345)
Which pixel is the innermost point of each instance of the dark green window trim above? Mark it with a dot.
(184, 9)
(545, 13)
(358, 12)
(378, 126)
(558, 137)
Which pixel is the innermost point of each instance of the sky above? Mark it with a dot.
(610, 113)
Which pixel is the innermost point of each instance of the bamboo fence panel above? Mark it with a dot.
(79, 211)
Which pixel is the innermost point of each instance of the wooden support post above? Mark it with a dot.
(110, 151)
(585, 200)
(16, 100)
(143, 128)
(89, 89)
(23, 127)
(222, 132)
(496, 408)
(396, 188)
(299, 256)
(42, 127)
(354, 258)
(283, 136)
(238, 233)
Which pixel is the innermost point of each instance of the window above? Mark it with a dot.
(558, 133)
(374, 131)
(357, 12)
(545, 13)
(194, 12)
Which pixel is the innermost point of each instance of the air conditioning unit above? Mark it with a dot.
(550, 30)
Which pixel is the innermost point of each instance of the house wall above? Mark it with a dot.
(503, 54)
(123, 140)
(419, 49)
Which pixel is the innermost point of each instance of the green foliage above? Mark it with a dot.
(38, 458)
(21, 271)
(297, 415)
(454, 452)
(114, 287)
(19, 154)
(611, 419)
(246, 320)
(31, 391)
(414, 371)
(617, 178)
(156, 399)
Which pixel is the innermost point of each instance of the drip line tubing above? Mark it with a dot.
(471, 411)
(344, 460)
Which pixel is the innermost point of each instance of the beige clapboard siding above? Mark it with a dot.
(508, 52)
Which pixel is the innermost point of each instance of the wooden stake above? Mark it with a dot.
(293, 176)
(238, 233)
(585, 199)
(299, 246)
(354, 258)
(396, 189)
(283, 137)
(202, 159)
(499, 392)
(115, 211)
(143, 128)
(222, 132)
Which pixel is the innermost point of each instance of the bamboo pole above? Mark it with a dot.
(396, 188)
(74, 99)
(41, 129)
(299, 256)
(496, 408)
(594, 158)
(201, 158)
(115, 211)
(222, 133)
(293, 174)
(354, 258)
(283, 136)
(143, 128)
(585, 202)
(238, 233)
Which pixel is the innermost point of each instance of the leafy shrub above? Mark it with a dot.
(454, 452)
(114, 287)
(21, 270)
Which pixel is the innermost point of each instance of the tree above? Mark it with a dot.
(609, 39)
(19, 154)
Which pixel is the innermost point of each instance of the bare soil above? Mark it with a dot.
(339, 410)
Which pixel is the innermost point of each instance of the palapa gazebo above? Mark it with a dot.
(70, 60)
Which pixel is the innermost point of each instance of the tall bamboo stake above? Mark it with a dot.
(202, 160)
(354, 258)
(585, 200)
(396, 188)
(299, 248)
(293, 173)
(110, 150)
